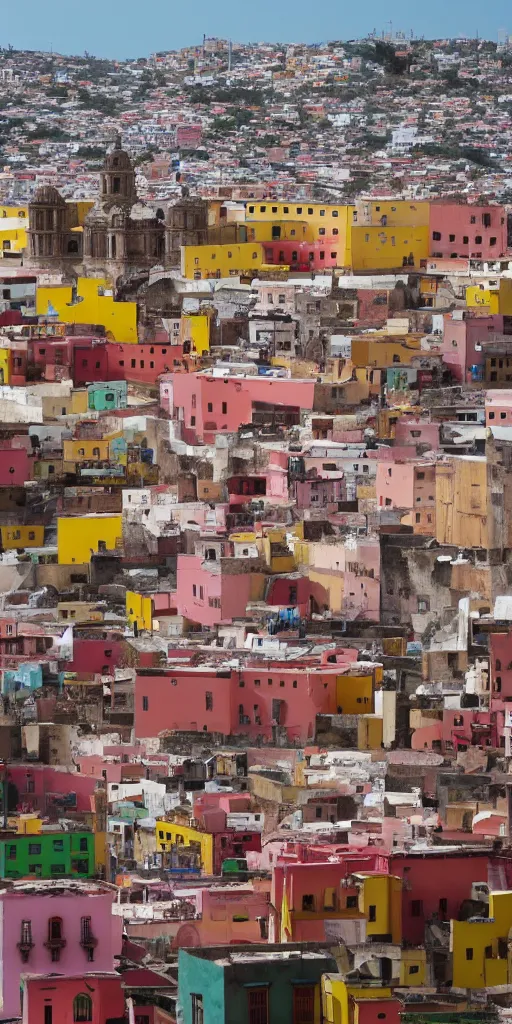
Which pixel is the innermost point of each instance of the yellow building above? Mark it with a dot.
(480, 948)
(5, 365)
(79, 611)
(272, 231)
(276, 553)
(323, 220)
(76, 403)
(93, 303)
(79, 537)
(169, 834)
(21, 212)
(383, 351)
(391, 213)
(341, 1000)
(413, 967)
(380, 900)
(462, 497)
(195, 328)
(139, 609)
(27, 824)
(388, 248)
(86, 450)
(491, 296)
(82, 207)
(370, 732)
(261, 231)
(13, 234)
(201, 262)
(22, 537)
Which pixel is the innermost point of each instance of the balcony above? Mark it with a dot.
(88, 942)
(25, 947)
(55, 945)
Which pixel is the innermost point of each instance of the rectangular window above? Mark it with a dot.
(257, 999)
(372, 912)
(11, 852)
(329, 894)
(197, 1009)
(81, 867)
(58, 845)
(34, 848)
(224, 408)
(416, 908)
(303, 1004)
(58, 869)
(469, 952)
(209, 700)
(145, 703)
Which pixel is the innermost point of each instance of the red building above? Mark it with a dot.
(16, 466)
(96, 998)
(97, 656)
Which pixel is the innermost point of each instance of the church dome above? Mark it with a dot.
(47, 195)
(117, 159)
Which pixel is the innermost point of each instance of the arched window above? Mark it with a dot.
(82, 1007)
(55, 928)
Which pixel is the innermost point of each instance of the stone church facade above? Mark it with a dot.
(122, 237)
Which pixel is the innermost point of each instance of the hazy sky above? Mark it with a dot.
(125, 28)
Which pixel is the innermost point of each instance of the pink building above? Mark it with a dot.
(227, 917)
(462, 342)
(412, 431)
(458, 230)
(498, 408)
(204, 405)
(94, 997)
(60, 927)
(250, 702)
(320, 493)
(468, 728)
(47, 788)
(408, 485)
(207, 595)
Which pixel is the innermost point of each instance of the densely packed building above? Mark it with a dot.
(255, 550)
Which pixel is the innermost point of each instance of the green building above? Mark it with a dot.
(47, 855)
(108, 395)
(252, 984)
